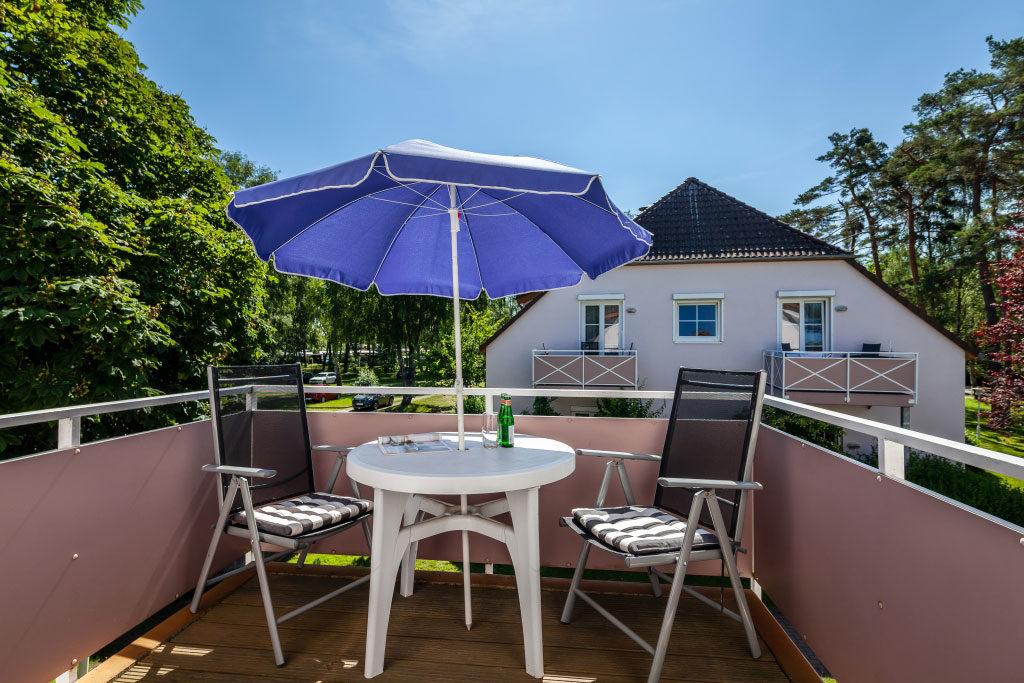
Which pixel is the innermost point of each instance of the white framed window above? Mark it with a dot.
(601, 324)
(697, 318)
(804, 324)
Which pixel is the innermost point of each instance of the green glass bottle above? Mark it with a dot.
(506, 427)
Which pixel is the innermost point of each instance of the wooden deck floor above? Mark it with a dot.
(427, 640)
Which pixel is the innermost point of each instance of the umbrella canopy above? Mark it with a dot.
(417, 218)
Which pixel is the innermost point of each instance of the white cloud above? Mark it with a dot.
(427, 31)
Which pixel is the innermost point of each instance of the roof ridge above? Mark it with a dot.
(665, 196)
(765, 215)
(696, 221)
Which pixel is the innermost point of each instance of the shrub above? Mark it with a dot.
(628, 407)
(473, 405)
(542, 406)
(980, 489)
(815, 431)
(367, 378)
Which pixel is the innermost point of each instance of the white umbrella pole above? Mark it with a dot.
(453, 216)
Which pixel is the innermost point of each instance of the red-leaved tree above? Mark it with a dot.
(1006, 339)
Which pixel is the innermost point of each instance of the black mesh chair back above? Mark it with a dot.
(259, 417)
(870, 350)
(713, 417)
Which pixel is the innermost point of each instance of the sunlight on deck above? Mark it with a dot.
(427, 640)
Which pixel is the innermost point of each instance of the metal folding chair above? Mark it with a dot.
(706, 464)
(260, 435)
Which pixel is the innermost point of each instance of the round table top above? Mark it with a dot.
(533, 461)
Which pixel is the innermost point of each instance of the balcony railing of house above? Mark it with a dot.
(884, 579)
(584, 369)
(856, 377)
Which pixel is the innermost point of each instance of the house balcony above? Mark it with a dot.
(843, 377)
(585, 369)
(98, 537)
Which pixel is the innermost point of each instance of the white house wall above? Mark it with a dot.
(749, 325)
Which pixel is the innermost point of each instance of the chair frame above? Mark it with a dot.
(241, 483)
(705, 493)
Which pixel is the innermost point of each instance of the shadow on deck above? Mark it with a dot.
(228, 641)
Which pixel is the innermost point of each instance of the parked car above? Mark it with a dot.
(327, 377)
(371, 401)
(318, 380)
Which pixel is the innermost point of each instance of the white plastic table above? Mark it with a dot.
(402, 484)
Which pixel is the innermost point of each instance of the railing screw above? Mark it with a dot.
(179, 428)
(881, 605)
(75, 556)
(77, 451)
(1022, 541)
(74, 661)
(878, 478)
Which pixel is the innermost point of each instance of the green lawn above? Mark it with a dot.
(386, 377)
(1011, 443)
(336, 404)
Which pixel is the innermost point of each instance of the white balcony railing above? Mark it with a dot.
(892, 441)
(584, 369)
(856, 376)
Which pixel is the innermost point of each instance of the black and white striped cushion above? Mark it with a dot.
(303, 514)
(639, 530)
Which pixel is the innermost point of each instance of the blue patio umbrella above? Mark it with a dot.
(420, 218)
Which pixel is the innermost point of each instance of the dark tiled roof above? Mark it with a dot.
(696, 222)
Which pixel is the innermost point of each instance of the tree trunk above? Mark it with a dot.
(345, 358)
(915, 276)
(988, 293)
(874, 252)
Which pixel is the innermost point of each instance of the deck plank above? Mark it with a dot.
(427, 640)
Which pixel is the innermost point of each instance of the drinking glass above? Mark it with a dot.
(489, 429)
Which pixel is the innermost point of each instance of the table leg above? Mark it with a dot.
(385, 555)
(412, 515)
(525, 552)
(467, 598)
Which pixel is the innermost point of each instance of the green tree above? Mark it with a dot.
(856, 159)
(119, 273)
(479, 320)
(974, 127)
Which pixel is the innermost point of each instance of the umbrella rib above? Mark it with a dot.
(397, 233)
(409, 187)
(475, 192)
(324, 217)
(559, 246)
(496, 201)
(479, 273)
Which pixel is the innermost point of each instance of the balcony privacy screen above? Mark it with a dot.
(260, 415)
(708, 437)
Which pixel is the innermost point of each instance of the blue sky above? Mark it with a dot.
(739, 94)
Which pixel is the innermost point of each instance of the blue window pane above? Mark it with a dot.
(813, 338)
(706, 312)
(813, 312)
(706, 328)
(687, 328)
(687, 312)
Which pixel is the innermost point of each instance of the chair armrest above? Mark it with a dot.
(676, 482)
(241, 471)
(328, 447)
(617, 454)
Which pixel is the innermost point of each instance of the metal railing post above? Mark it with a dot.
(785, 389)
(847, 376)
(891, 458)
(69, 432)
(915, 376)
